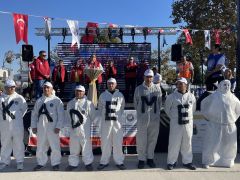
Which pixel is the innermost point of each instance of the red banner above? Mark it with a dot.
(188, 37)
(21, 27)
(217, 36)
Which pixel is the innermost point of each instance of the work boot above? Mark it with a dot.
(3, 166)
(70, 168)
(121, 166)
(20, 166)
(38, 168)
(189, 166)
(102, 166)
(151, 163)
(55, 167)
(89, 167)
(141, 164)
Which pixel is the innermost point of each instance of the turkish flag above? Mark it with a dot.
(188, 37)
(21, 27)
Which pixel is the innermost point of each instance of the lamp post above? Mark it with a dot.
(238, 51)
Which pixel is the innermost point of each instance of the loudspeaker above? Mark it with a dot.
(176, 52)
(27, 52)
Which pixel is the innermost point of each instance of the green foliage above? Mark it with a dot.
(207, 15)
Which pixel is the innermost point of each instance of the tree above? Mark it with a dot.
(167, 71)
(207, 15)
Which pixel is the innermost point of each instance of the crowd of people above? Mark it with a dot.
(220, 109)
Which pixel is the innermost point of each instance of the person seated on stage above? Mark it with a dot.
(228, 75)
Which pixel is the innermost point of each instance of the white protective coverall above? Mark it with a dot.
(147, 102)
(11, 127)
(221, 109)
(111, 107)
(180, 108)
(80, 126)
(45, 128)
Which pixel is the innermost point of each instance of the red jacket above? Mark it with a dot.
(131, 70)
(111, 72)
(42, 69)
(62, 73)
(95, 64)
(79, 71)
(32, 71)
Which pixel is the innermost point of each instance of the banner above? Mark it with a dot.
(48, 26)
(188, 37)
(207, 39)
(21, 27)
(73, 25)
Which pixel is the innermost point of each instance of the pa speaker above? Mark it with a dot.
(27, 52)
(176, 52)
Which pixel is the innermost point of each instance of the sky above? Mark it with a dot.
(155, 13)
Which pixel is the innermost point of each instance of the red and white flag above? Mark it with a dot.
(217, 36)
(188, 37)
(21, 27)
(73, 25)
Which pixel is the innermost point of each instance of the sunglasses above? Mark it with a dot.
(44, 55)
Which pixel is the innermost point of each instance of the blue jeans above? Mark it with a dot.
(38, 88)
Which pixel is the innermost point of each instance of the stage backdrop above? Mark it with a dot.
(119, 53)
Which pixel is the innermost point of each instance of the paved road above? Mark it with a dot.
(132, 172)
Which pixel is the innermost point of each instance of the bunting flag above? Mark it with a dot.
(217, 36)
(164, 41)
(48, 26)
(207, 39)
(112, 25)
(188, 37)
(21, 27)
(73, 25)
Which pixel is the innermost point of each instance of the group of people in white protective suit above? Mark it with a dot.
(221, 110)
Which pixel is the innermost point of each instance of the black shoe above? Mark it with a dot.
(70, 168)
(170, 166)
(55, 168)
(189, 166)
(38, 168)
(89, 167)
(141, 164)
(121, 166)
(102, 166)
(151, 163)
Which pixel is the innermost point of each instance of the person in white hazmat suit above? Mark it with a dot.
(180, 106)
(221, 110)
(12, 109)
(147, 102)
(80, 114)
(111, 107)
(47, 120)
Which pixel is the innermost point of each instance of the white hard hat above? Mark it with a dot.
(10, 83)
(112, 80)
(47, 83)
(148, 72)
(183, 80)
(80, 88)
